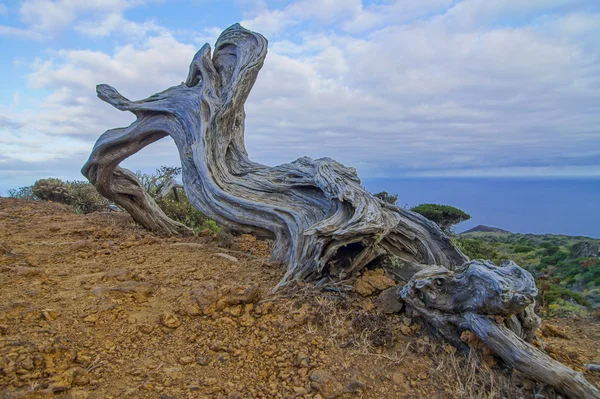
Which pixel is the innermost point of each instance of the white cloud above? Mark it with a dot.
(434, 93)
(49, 16)
(20, 33)
(44, 19)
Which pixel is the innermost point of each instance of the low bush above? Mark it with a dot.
(51, 189)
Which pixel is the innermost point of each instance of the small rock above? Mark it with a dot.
(169, 320)
(405, 329)
(235, 311)
(186, 360)
(91, 318)
(50, 314)
(202, 359)
(549, 330)
(228, 257)
(208, 382)
(300, 390)
(302, 361)
(206, 296)
(398, 378)
(146, 328)
(372, 281)
(354, 387)
(389, 301)
(246, 320)
(27, 271)
(243, 295)
(592, 367)
(324, 382)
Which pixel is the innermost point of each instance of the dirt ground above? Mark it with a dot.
(93, 306)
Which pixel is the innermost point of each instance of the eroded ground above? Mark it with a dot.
(93, 306)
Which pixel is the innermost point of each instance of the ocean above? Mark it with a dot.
(521, 205)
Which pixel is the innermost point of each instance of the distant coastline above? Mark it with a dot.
(544, 205)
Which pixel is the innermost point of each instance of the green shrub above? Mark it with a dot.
(182, 211)
(478, 249)
(523, 249)
(175, 205)
(563, 308)
(85, 198)
(21, 193)
(556, 292)
(51, 189)
(387, 197)
(445, 216)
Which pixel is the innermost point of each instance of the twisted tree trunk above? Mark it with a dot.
(496, 304)
(323, 222)
(325, 225)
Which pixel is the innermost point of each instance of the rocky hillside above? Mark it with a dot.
(93, 306)
(484, 229)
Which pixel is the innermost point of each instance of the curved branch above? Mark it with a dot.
(323, 221)
(469, 297)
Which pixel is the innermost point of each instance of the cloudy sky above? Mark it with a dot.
(394, 88)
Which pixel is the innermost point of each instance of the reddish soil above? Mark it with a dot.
(93, 306)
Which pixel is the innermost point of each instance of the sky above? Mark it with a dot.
(408, 88)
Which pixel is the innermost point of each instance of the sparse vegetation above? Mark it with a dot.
(387, 197)
(84, 198)
(568, 284)
(81, 195)
(175, 204)
(51, 190)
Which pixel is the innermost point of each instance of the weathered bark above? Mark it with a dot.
(323, 222)
(475, 297)
(171, 186)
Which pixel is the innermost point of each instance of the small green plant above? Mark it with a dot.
(21, 193)
(51, 189)
(175, 204)
(445, 216)
(85, 198)
(555, 292)
(563, 308)
(387, 197)
(478, 249)
(523, 249)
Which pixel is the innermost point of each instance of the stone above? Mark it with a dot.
(203, 359)
(372, 282)
(170, 320)
(186, 360)
(325, 383)
(50, 314)
(91, 318)
(206, 296)
(389, 301)
(355, 386)
(228, 257)
(27, 271)
(592, 367)
(549, 330)
(302, 360)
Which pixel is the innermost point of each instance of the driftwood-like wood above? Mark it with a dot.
(324, 224)
(496, 304)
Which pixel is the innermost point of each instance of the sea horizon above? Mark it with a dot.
(526, 205)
